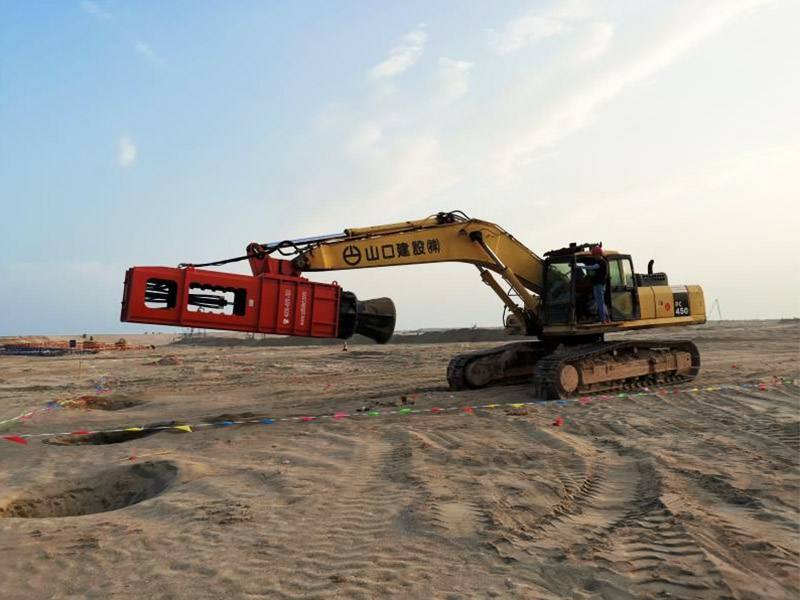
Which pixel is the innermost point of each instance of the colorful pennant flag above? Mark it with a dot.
(16, 439)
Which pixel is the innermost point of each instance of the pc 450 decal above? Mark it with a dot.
(680, 302)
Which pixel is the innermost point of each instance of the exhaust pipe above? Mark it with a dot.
(374, 319)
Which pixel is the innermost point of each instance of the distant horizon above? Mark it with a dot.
(180, 332)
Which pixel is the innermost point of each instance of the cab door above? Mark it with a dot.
(623, 297)
(558, 305)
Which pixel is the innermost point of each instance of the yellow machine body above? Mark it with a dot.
(491, 248)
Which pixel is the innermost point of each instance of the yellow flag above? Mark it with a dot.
(133, 429)
(183, 428)
(516, 405)
(490, 406)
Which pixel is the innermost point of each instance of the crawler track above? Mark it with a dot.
(503, 365)
(574, 370)
(548, 377)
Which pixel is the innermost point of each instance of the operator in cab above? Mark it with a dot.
(598, 274)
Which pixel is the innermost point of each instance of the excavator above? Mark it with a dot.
(548, 300)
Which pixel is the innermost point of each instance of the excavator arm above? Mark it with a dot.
(277, 299)
(445, 237)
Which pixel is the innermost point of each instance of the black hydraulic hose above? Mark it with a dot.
(284, 248)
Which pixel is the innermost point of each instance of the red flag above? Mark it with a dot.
(558, 422)
(81, 432)
(340, 415)
(16, 439)
(468, 409)
(307, 418)
(436, 410)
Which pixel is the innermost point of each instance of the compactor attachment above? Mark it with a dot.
(275, 302)
(374, 319)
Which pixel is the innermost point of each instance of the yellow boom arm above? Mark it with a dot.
(441, 238)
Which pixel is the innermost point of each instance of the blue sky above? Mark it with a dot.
(137, 133)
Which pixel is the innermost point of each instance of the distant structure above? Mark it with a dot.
(711, 311)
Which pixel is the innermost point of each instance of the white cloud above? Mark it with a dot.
(148, 53)
(363, 139)
(94, 9)
(126, 152)
(574, 111)
(594, 41)
(454, 77)
(518, 33)
(402, 57)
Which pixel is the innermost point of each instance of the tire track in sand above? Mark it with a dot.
(656, 552)
(600, 481)
(369, 537)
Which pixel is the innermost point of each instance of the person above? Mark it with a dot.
(584, 293)
(598, 273)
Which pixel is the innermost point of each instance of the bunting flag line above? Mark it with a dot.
(52, 405)
(405, 410)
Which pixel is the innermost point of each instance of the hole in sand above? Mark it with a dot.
(100, 438)
(107, 490)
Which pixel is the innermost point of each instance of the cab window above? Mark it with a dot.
(558, 292)
(622, 289)
(558, 283)
(620, 273)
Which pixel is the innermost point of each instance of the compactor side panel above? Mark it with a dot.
(271, 304)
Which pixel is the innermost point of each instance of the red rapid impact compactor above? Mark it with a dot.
(275, 300)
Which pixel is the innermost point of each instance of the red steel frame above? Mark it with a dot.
(277, 300)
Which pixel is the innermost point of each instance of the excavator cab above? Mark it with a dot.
(622, 295)
(568, 294)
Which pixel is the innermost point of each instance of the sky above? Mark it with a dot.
(146, 133)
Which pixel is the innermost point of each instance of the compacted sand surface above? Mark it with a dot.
(694, 494)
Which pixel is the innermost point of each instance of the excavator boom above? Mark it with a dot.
(278, 300)
(433, 240)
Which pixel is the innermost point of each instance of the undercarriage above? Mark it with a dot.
(563, 371)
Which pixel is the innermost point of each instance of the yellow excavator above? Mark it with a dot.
(548, 298)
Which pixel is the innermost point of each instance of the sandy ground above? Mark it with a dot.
(690, 495)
